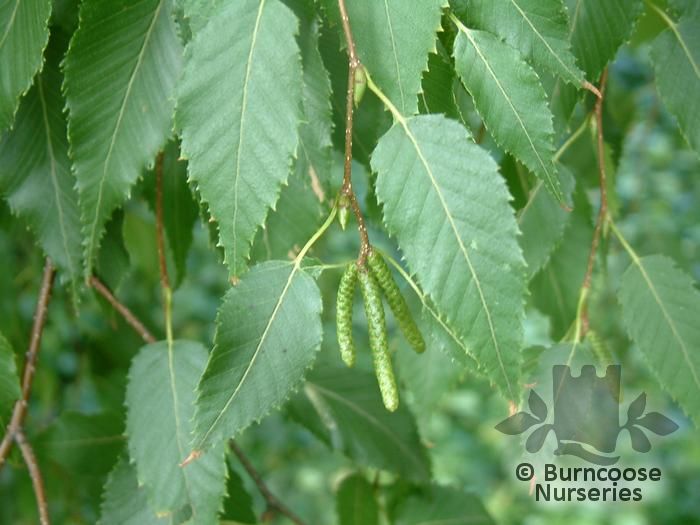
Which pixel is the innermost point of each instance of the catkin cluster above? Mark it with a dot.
(374, 280)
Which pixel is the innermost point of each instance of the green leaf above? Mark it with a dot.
(555, 289)
(86, 444)
(676, 57)
(139, 233)
(268, 333)
(437, 95)
(355, 501)
(9, 380)
(199, 12)
(393, 39)
(437, 505)
(350, 406)
(316, 129)
(160, 405)
(24, 34)
(448, 208)
(598, 29)
(538, 28)
(510, 98)
(659, 310)
(543, 221)
(118, 121)
(428, 376)
(296, 217)
(238, 505)
(124, 501)
(35, 171)
(239, 110)
(301, 411)
(113, 262)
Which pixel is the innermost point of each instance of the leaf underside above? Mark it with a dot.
(543, 222)
(35, 171)
(598, 29)
(659, 310)
(124, 502)
(120, 119)
(676, 57)
(456, 229)
(509, 97)
(160, 405)
(238, 110)
(268, 333)
(538, 28)
(350, 406)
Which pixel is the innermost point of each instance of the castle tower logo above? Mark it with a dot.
(586, 419)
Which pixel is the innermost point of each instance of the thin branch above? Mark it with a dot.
(160, 239)
(35, 475)
(273, 503)
(128, 316)
(20, 409)
(346, 190)
(603, 211)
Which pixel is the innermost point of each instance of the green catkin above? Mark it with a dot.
(397, 303)
(374, 311)
(343, 318)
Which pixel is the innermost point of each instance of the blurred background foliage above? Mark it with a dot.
(76, 416)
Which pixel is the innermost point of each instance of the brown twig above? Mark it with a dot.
(603, 211)
(346, 190)
(20, 409)
(128, 316)
(35, 475)
(273, 504)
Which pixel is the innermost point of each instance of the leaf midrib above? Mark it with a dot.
(673, 26)
(270, 321)
(120, 116)
(54, 180)
(178, 425)
(466, 32)
(542, 38)
(244, 106)
(638, 262)
(396, 58)
(463, 249)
